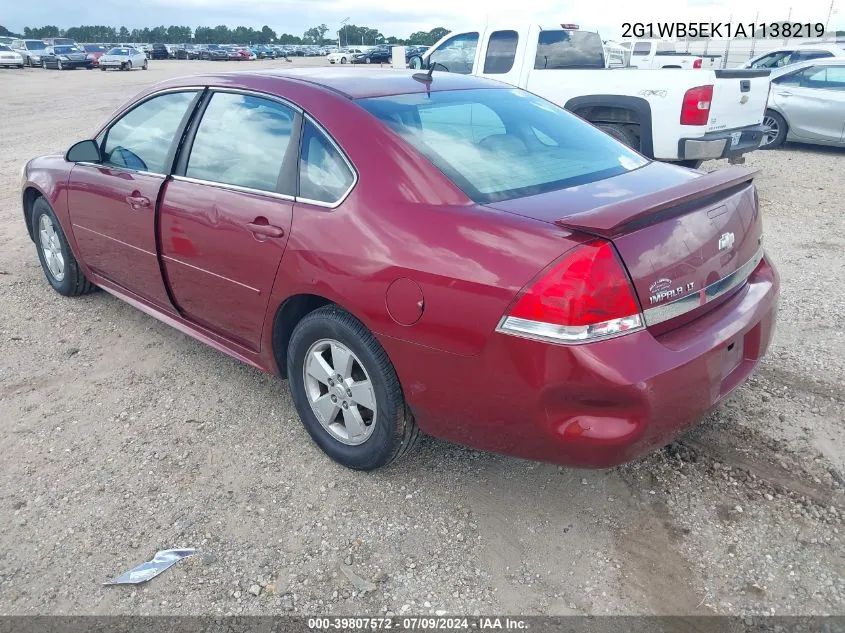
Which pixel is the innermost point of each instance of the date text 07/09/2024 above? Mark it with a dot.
(722, 29)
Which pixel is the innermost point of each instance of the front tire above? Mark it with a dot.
(44, 64)
(145, 66)
(59, 265)
(368, 60)
(59, 65)
(346, 391)
(129, 65)
(776, 130)
(342, 60)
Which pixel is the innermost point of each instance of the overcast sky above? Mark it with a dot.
(401, 17)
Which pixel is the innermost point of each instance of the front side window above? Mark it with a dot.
(773, 60)
(242, 140)
(501, 52)
(457, 54)
(324, 175)
(143, 138)
(569, 49)
(498, 144)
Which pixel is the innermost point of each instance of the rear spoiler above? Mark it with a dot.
(612, 219)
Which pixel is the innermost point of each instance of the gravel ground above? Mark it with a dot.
(122, 436)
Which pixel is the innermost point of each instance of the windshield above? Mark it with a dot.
(35, 45)
(500, 144)
(119, 51)
(4, 48)
(65, 50)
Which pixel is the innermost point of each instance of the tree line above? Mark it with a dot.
(347, 35)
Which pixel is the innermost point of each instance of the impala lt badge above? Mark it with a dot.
(662, 289)
(726, 241)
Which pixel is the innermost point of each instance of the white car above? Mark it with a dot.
(345, 56)
(123, 58)
(788, 55)
(8, 57)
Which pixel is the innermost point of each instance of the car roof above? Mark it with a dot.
(364, 83)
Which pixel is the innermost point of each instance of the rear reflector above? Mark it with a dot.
(584, 297)
(695, 109)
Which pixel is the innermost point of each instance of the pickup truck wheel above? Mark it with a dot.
(346, 391)
(776, 130)
(57, 260)
(621, 133)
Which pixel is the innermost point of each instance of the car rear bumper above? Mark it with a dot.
(595, 405)
(721, 144)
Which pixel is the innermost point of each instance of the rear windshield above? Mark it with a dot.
(500, 144)
(569, 49)
(91, 48)
(35, 45)
(119, 51)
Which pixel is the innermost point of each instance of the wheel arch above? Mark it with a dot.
(30, 195)
(617, 109)
(290, 312)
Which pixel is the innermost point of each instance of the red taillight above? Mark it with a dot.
(695, 109)
(585, 296)
(697, 63)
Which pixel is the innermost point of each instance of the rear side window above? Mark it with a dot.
(143, 138)
(324, 175)
(569, 49)
(242, 140)
(501, 52)
(818, 77)
(641, 48)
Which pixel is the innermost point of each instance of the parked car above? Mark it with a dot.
(159, 51)
(215, 52)
(788, 55)
(265, 52)
(124, 58)
(344, 56)
(807, 104)
(30, 50)
(682, 116)
(65, 58)
(8, 57)
(380, 55)
(94, 51)
(650, 54)
(492, 243)
(59, 41)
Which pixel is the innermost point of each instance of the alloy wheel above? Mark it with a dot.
(340, 392)
(771, 130)
(51, 247)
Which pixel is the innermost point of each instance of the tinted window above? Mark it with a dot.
(35, 45)
(501, 144)
(457, 54)
(773, 60)
(3, 47)
(324, 175)
(803, 56)
(569, 49)
(641, 48)
(242, 140)
(143, 137)
(501, 51)
(818, 77)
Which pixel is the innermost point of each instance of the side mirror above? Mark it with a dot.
(83, 152)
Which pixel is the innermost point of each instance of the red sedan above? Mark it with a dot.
(442, 254)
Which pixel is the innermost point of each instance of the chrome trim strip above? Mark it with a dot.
(340, 201)
(238, 188)
(679, 307)
(123, 170)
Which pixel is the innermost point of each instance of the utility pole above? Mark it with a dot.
(789, 20)
(829, 13)
(754, 33)
(342, 26)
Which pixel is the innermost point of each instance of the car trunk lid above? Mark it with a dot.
(685, 245)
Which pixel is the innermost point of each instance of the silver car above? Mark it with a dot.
(123, 58)
(807, 104)
(30, 50)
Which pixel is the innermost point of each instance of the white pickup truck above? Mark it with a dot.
(669, 114)
(651, 54)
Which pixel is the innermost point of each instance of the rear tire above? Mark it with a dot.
(621, 133)
(129, 65)
(67, 278)
(342, 60)
(144, 67)
(777, 129)
(391, 431)
(59, 65)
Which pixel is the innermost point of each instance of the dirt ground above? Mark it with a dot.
(122, 436)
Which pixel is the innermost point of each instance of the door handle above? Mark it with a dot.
(262, 228)
(137, 202)
(785, 93)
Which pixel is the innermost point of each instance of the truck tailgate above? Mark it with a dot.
(739, 99)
